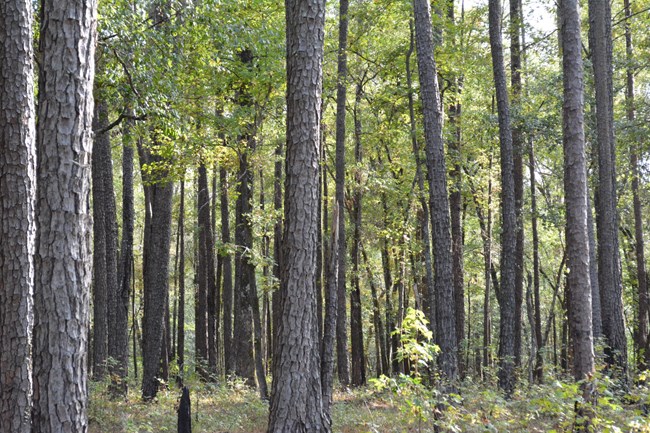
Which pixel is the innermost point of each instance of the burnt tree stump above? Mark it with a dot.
(185, 413)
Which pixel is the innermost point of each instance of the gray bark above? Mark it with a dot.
(507, 293)
(226, 261)
(17, 219)
(609, 262)
(576, 193)
(342, 360)
(62, 259)
(296, 403)
(438, 193)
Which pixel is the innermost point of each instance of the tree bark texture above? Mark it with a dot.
(329, 331)
(575, 191)
(226, 259)
(609, 262)
(296, 403)
(358, 358)
(119, 348)
(180, 322)
(506, 294)
(430, 305)
(438, 194)
(244, 275)
(516, 23)
(100, 287)
(157, 238)
(205, 278)
(62, 259)
(342, 360)
(17, 214)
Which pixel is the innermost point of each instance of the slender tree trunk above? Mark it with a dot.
(516, 23)
(62, 258)
(358, 377)
(507, 292)
(609, 262)
(538, 371)
(201, 269)
(278, 295)
(596, 315)
(342, 361)
(227, 274)
(438, 194)
(101, 144)
(641, 340)
(209, 316)
(124, 268)
(180, 323)
(426, 237)
(155, 268)
(297, 403)
(329, 331)
(17, 218)
(380, 332)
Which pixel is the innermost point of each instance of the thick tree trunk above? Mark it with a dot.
(342, 360)
(575, 190)
(438, 194)
(609, 262)
(17, 218)
(62, 259)
(296, 403)
(507, 292)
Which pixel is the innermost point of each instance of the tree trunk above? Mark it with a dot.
(538, 371)
(596, 314)
(430, 305)
(329, 331)
(226, 261)
(516, 23)
(609, 262)
(358, 377)
(17, 219)
(276, 298)
(180, 322)
(296, 403)
(507, 293)
(119, 351)
(101, 145)
(201, 293)
(438, 194)
(155, 270)
(575, 190)
(62, 259)
(641, 340)
(342, 361)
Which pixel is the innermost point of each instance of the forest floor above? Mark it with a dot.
(394, 406)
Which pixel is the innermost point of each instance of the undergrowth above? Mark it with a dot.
(392, 405)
